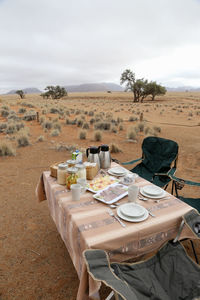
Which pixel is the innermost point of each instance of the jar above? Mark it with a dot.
(61, 174)
(71, 177)
(81, 171)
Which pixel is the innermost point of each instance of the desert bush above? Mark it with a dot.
(57, 126)
(6, 149)
(82, 135)
(27, 104)
(157, 129)
(131, 134)
(22, 110)
(190, 114)
(78, 112)
(114, 129)
(55, 132)
(114, 148)
(47, 125)
(23, 140)
(97, 136)
(121, 127)
(12, 116)
(11, 128)
(30, 115)
(132, 119)
(104, 125)
(5, 107)
(44, 111)
(4, 113)
(92, 121)
(79, 123)
(86, 126)
(40, 138)
(41, 120)
(141, 127)
(91, 113)
(3, 126)
(54, 110)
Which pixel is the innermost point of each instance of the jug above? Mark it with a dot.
(105, 157)
(93, 155)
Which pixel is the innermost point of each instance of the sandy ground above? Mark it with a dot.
(34, 263)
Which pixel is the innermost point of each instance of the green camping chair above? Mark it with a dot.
(158, 155)
(178, 184)
(170, 274)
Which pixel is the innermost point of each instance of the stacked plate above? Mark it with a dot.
(152, 191)
(132, 212)
(117, 171)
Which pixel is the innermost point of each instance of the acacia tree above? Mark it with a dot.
(141, 88)
(54, 92)
(20, 93)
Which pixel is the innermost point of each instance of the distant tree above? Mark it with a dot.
(141, 88)
(20, 93)
(153, 89)
(54, 92)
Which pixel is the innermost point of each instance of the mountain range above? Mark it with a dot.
(101, 87)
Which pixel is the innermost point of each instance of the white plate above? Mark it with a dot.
(132, 210)
(153, 197)
(152, 190)
(116, 174)
(99, 197)
(131, 219)
(117, 170)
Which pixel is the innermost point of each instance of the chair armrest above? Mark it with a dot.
(132, 161)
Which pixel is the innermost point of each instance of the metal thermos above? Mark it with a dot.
(93, 155)
(105, 157)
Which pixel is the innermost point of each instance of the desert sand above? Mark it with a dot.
(34, 262)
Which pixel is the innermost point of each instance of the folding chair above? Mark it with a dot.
(170, 274)
(158, 156)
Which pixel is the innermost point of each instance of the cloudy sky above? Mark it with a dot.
(82, 41)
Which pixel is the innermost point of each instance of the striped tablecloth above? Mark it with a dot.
(86, 224)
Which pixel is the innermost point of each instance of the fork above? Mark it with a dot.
(116, 217)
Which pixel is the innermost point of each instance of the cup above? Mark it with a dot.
(133, 191)
(82, 182)
(77, 190)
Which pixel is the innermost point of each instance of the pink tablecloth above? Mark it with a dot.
(86, 224)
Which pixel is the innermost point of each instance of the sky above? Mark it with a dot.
(66, 42)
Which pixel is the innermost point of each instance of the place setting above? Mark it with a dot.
(152, 192)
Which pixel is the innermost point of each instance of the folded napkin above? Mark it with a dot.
(40, 190)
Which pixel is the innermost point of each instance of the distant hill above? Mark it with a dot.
(94, 87)
(183, 89)
(26, 91)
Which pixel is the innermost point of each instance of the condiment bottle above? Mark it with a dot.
(61, 174)
(81, 171)
(71, 177)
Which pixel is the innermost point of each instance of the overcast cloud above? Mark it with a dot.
(82, 41)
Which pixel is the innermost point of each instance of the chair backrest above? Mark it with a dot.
(158, 153)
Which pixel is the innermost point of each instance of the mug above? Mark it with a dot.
(133, 191)
(82, 182)
(77, 190)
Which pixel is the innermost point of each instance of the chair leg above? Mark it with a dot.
(109, 297)
(194, 252)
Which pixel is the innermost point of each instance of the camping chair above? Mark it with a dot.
(158, 154)
(169, 274)
(178, 184)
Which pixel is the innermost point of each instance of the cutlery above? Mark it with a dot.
(114, 216)
(151, 214)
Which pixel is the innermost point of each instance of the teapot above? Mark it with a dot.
(93, 155)
(105, 157)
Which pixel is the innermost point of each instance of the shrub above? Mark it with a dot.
(55, 132)
(30, 116)
(22, 110)
(3, 126)
(57, 126)
(132, 119)
(157, 129)
(141, 127)
(114, 148)
(131, 134)
(23, 140)
(105, 125)
(4, 113)
(47, 125)
(114, 129)
(5, 107)
(97, 136)
(91, 113)
(121, 127)
(82, 135)
(85, 126)
(6, 149)
(11, 128)
(41, 120)
(54, 110)
(79, 122)
(92, 121)
(40, 138)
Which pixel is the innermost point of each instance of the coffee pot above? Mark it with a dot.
(105, 157)
(93, 155)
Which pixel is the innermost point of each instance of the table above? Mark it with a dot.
(87, 225)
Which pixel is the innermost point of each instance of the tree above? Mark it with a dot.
(20, 93)
(141, 88)
(155, 89)
(54, 92)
